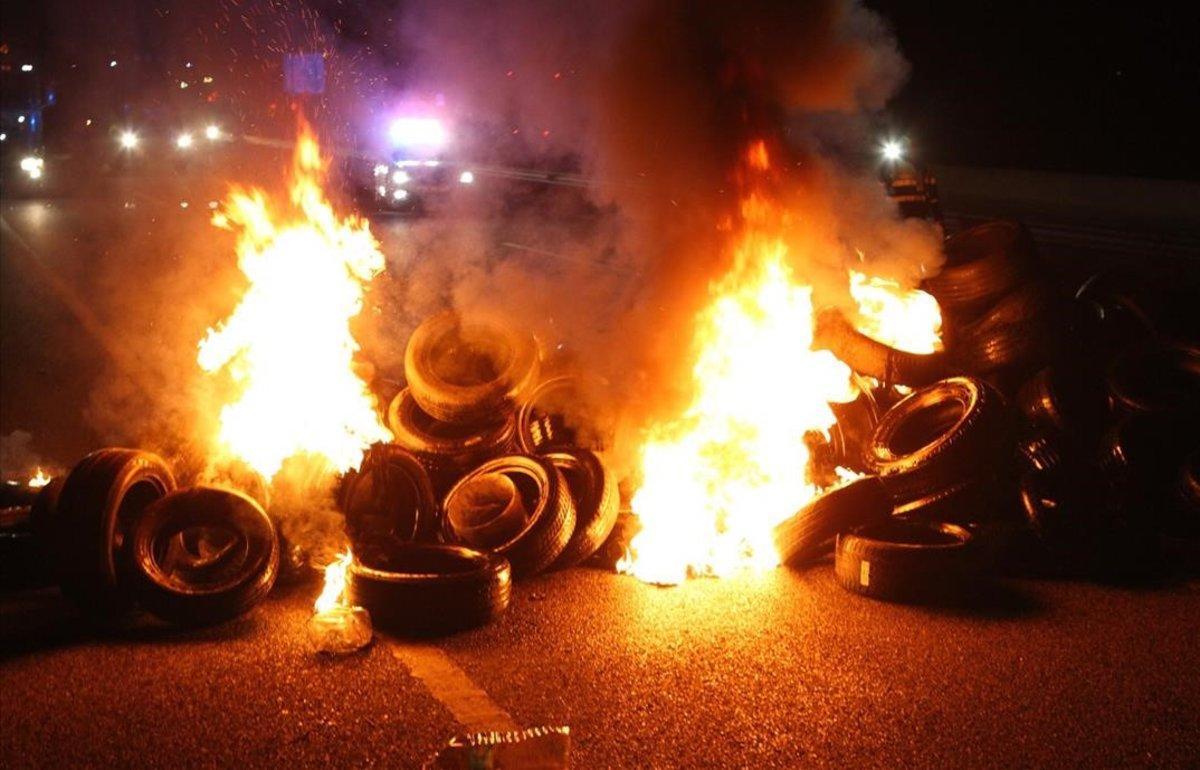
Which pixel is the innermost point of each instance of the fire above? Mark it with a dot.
(333, 594)
(717, 480)
(287, 347)
(905, 319)
(38, 480)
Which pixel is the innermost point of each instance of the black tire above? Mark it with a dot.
(1038, 453)
(1059, 400)
(100, 499)
(939, 435)
(873, 358)
(445, 450)
(1155, 378)
(207, 589)
(388, 499)
(597, 502)
(1141, 457)
(982, 264)
(1023, 347)
(45, 508)
(809, 533)
(548, 502)
(422, 590)
(466, 371)
(548, 419)
(968, 502)
(907, 561)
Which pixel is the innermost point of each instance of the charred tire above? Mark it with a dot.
(101, 497)
(1055, 400)
(972, 501)
(543, 424)
(388, 499)
(547, 499)
(906, 561)
(594, 491)
(937, 436)
(982, 264)
(423, 590)
(45, 508)
(211, 589)
(808, 533)
(466, 371)
(1023, 346)
(873, 358)
(1155, 379)
(446, 450)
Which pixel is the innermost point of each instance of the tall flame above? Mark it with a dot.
(718, 479)
(287, 347)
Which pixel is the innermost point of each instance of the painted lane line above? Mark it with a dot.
(469, 704)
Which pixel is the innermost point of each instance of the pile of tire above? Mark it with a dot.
(916, 529)
(1003, 318)
(485, 480)
(115, 533)
(1108, 460)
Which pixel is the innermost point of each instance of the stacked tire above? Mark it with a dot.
(1004, 319)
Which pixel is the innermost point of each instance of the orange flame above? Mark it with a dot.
(905, 319)
(333, 593)
(287, 347)
(38, 480)
(716, 480)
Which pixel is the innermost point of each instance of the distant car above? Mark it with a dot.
(912, 186)
(409, 183)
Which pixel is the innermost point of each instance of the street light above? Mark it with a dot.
(129, 140)
(184, 141)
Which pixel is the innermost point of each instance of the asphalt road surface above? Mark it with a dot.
(782, 669)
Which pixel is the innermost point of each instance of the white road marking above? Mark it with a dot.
(469, 704)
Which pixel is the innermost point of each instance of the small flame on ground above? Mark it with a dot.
(38, 480)
(287, 347)
(905, 319)
(333, 593)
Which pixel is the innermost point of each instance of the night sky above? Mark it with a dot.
(1087, 87)
(1101, 87)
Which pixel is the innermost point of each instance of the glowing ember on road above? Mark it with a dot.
(287, 348)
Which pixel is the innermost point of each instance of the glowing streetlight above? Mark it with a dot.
(129, 140)
(184, 141)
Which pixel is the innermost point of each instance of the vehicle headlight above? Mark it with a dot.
(184, 141)
(399, 194)
(466, 177)
(33, 165)
(128, 140)
(892, 150)
(400, 177)
(381, 170)
(212, 133)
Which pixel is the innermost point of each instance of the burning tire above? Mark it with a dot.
(809, 532)
(982, 263)
(203, 555)
(1155, 379)
(388, 499)
(542, 422)
(431, 589)
(938, 436)
(906, 561)
(446, 450)
(101, 497)
(467, 371)
(873, 358)
(594, 491)
(547, 499)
